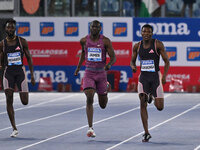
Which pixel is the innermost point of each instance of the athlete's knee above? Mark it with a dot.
(24, 98)
(102, 105)
(143, 99)
(159, 103)
(9, 96)
(160, 108)
(103, 100)
(25, 102)
(90, 100)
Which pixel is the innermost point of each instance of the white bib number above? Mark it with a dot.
(14, 59)
(147, 65)
(94, 54)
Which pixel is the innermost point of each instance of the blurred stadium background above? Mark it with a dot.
(53, 29)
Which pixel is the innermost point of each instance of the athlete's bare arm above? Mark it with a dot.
(82, 57)
(134, 57)
(165, 58)
(111, 53)
(29, 58)
(1, 54)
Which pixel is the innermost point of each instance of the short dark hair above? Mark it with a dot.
(10, 21)
(147, 26)
(96, 21)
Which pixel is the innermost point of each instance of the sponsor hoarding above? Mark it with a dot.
(68, 53)
(74, 28)
(65, 75)
(169, 29)
(55, 48)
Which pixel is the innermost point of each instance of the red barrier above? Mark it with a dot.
(132, 85)
(113, 77)
(45, 84)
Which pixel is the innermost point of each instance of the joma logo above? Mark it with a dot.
(166, 28)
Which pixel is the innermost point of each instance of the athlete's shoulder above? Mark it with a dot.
(159, 44)
(105, 39)
(136, 45)
(83, 39)
(158, 41)
(22, 39)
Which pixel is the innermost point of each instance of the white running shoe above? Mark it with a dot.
(14, 133)
(90, 133)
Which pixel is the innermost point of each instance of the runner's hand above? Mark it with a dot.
(163, 80)
(107, 67)
(32, 81)
(134, 68)
(76, 71)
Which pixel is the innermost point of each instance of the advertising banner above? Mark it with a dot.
(55, 48)
(169, 29)
(72, 28)
(67, 53)
(65, 75)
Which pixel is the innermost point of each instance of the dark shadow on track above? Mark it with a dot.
(20, 139)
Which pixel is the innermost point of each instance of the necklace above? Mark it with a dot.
(11, 39)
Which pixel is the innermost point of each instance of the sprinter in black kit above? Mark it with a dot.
(12, 50)
(150, 80)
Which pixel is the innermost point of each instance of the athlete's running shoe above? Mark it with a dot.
(150, 98)
(14, 133)
(90, 133)
(146, 137)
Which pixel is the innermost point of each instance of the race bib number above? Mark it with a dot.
(14, 59)
(147, 65)
(94, 54)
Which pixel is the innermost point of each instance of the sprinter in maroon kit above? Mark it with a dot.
(94, 49)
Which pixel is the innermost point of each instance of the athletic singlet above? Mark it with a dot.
(13, 55)
(95, 53)
(149, 58)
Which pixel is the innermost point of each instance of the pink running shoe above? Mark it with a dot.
(90, 133)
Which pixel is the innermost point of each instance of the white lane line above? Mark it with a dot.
(71, 131)
(190, 109)
(4, 98)
(15, 96)
(68, 132)
(42, 103)
(44, 118)
(58, 114)
(197, 148)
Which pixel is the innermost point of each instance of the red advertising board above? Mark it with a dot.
(54, 53)
(67, 53)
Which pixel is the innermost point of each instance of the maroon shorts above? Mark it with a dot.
(96, 80)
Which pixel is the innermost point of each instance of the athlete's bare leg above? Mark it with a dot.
(143, 111)
(103, 100)
(89, 106)
(24, 97)
(10, 109)
(159, 103)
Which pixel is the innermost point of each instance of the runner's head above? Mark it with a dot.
(147, 32)
(10, 27)
(95, 28)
